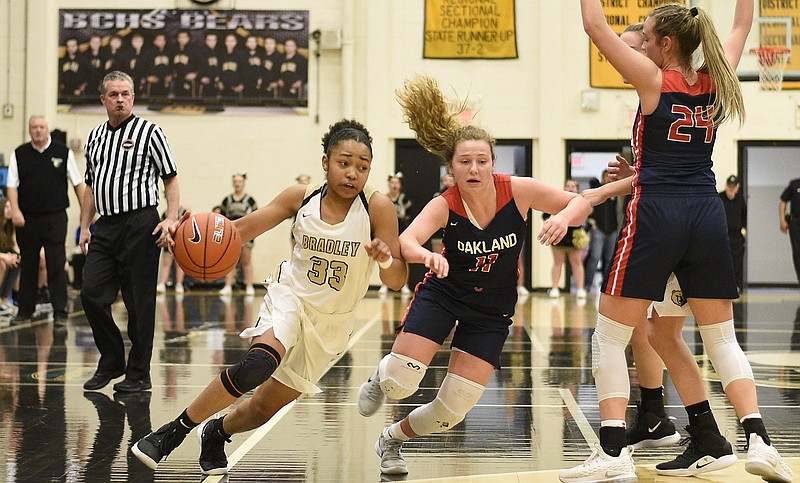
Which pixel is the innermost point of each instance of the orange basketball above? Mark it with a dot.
(207, 246)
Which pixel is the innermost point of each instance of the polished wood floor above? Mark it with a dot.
(538, 415)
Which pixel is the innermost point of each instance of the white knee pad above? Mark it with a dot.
(725, 353)
(455, 398)
(609, 366)
(400, 375)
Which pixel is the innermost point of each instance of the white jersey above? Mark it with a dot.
(330, 269)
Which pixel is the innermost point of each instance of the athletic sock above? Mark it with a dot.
(754, 424)
(653, 401)
(700, 415)
(185, 422)
(612, 439)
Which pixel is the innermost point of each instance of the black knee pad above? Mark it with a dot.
(256, 367)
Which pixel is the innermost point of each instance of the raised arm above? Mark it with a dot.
(267, 217)
(742, 23)
(640, 71)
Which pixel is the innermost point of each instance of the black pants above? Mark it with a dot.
(48, 231)
(794, 238)
(123, 255)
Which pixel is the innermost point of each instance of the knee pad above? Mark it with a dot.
(400, 375)
(454, 400)
(609, 366)
(725, 352)
(256, 367)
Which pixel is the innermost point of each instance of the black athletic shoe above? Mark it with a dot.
(651, 431)
(707, 451)
(213, 460)
(157, 445)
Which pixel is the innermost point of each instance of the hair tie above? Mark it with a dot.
(693, 11)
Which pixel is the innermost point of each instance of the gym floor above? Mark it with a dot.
(538, 415)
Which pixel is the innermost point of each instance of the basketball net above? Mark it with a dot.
(771, 64)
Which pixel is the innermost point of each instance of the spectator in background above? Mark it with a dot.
(401, 205)
(569, 248)
(790, 222)
(9, 259)
(736, 214)
(235, 206)
(602, 237)
(38, 176)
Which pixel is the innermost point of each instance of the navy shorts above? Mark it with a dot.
(433, 313)
(681, 232)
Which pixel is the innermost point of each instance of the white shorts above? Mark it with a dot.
(312, 339)
(674, 303)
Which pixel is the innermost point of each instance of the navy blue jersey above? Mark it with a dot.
(673, 145)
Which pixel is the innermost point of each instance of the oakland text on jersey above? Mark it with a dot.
(483, 246)
(343, 248)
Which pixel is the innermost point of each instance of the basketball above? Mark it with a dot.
(207, 246)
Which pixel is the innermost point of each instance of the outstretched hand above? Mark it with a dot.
(619, 169)
(378, 250)
(438, 264)
(553, 230)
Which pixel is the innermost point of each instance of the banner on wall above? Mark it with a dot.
(475, 29)
(191, 61)
(619, 15)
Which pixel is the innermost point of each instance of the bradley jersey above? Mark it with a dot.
(330, 269)
(673, 145)
(483, 260)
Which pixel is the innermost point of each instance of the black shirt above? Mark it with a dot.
(735, 213)
(792, 196)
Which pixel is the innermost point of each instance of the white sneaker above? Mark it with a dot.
(522, 291)
(161, 288)
(581, 293)
(370, 395)
(763, 460)
(249, 291)
(602, 467)
(383, 290)
(392, 462)
(554, 293)
(179, 288)
(405, 290)
(226, 290)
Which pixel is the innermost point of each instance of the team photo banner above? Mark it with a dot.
(619, 14)
(186, 60)
(470, 29)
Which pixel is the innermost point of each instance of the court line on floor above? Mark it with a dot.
(577, 415)
(262, 431)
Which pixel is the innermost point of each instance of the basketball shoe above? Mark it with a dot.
(388, 448)
(651, 431)
(602, 467)
(707, 451)
(157, 445)
(213, 460)
(763, 460)
(370, 395)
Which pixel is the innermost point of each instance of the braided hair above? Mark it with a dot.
(344, 130)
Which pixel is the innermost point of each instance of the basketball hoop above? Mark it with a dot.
(771, 64)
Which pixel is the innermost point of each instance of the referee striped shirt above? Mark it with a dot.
(123, 165)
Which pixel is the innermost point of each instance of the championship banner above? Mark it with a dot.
(187, 61)
(774, 35)
(619, 14)
(474, 29)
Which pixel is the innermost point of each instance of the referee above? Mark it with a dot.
(124, 159)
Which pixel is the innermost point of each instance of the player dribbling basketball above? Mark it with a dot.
(342, 229)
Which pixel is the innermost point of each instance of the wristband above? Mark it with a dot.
(386, 264)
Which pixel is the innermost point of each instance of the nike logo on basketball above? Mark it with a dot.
(650, 430)
(196, 232)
